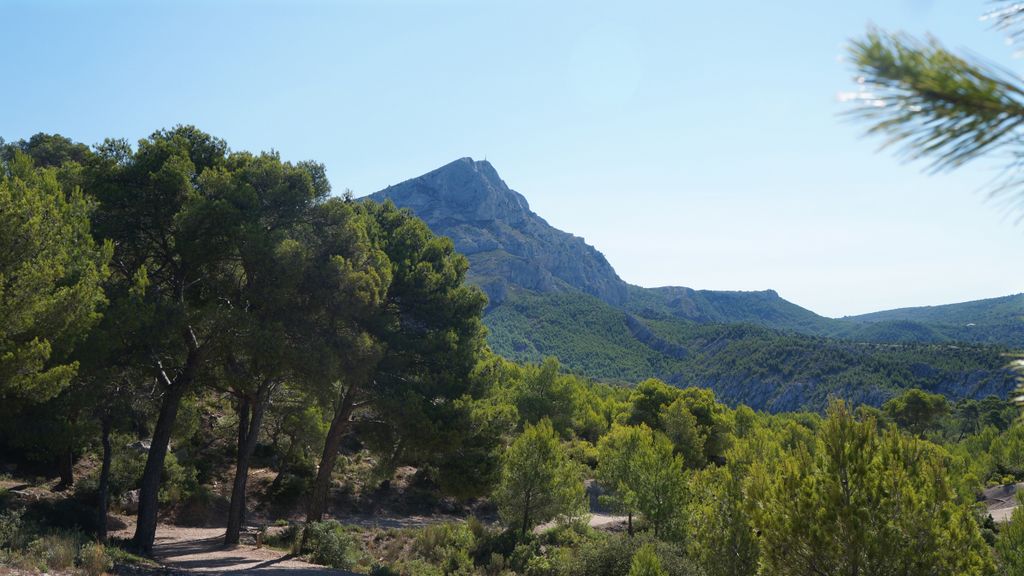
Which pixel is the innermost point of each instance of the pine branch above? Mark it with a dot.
(932, 103)
(1007, 16)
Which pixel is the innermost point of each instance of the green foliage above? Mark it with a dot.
(612, 555)
(545, 393)
(55, 551)
(447, 546)
(686, 434)
(328, 543)
(648, 399)
(645, 563)
(765, 368)
(1010, 545)
(867, 502)
(93, 559)
(474, 468)
(720, 538)
(47, 150)
(933, 103)
(51, 273)
(10, 529)
(916, 410)
(638, 466)
(538, 480)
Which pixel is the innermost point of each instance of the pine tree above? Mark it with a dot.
(1010, 545)
(51, 274)
(865, 502)
(538, 481)
(646, 563)
(644, 476)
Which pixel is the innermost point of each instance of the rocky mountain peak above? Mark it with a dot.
(466, 189)
(508, 245)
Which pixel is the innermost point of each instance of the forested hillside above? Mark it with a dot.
(744, 363)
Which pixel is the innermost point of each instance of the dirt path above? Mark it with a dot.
(1001, 501)
(608, 522)
(201, 551)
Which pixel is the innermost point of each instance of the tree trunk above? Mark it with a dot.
(248, 435)
(65, 467)
(335, 434)
(526, 514)
(629, 521)
(149, 488)
(104, 489)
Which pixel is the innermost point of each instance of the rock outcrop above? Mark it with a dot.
(507, 243)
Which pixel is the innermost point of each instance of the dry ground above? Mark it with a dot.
(201, 551)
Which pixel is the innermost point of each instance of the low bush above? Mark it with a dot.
(55, 551)
(287, 539)
(612, 555)
(93, 559)
(10, 530)
(440, 543)
(328, 543)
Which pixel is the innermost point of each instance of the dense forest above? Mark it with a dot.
(195, 335)
(765, 368)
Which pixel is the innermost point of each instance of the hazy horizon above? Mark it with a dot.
(691, 145)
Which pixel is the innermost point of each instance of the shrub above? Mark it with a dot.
(435, 543)
(612, 555)
(178, 482)
(286, 490)
(56, 551)
(491, 543)
(93, 559)
(289, 538)
(415, 567)
(329, 544)
(645, 563)
(10, 529)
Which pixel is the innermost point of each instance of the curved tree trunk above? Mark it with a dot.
(149, 489)
(248, 435)
(104, 488)
(335, 434)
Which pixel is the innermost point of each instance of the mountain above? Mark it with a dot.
(552, 294)
(510, 246)
(506, 242)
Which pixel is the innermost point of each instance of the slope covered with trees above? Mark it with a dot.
(744, 363)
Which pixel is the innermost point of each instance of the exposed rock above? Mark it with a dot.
(141, 446)
(129, 502)
(506, 242)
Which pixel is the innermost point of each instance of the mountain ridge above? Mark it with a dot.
(551, 293)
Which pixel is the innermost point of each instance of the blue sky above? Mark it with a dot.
(694, 143)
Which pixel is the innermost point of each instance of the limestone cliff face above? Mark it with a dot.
(508, 245)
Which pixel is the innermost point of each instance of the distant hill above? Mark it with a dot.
(762, 367)
(765, 308)
(552, 294)
(993, 320)
(977, 312)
